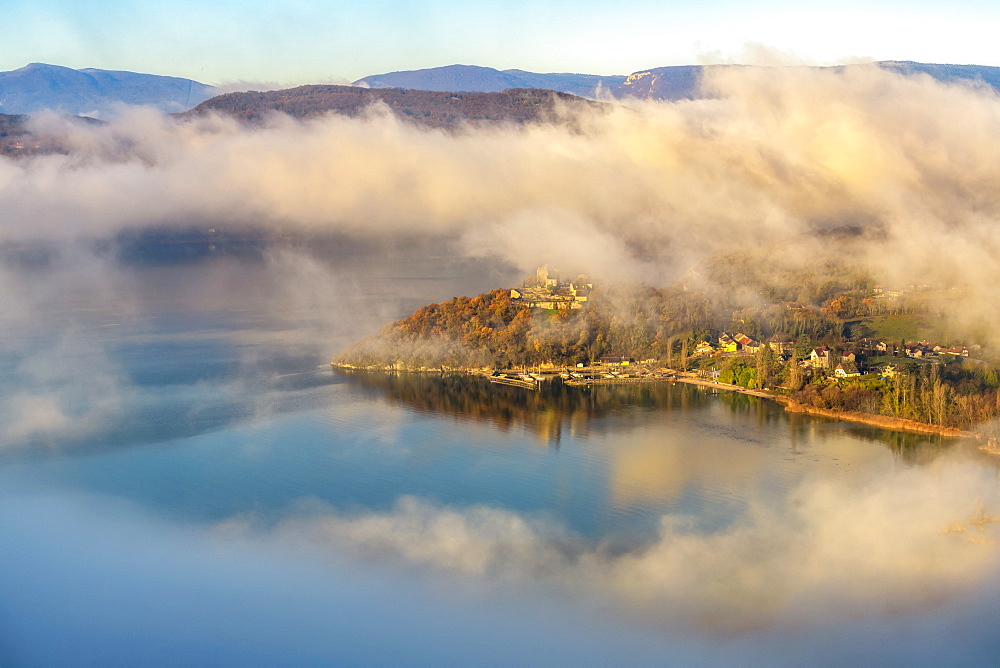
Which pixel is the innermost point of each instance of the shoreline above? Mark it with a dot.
(872, 419)
(790, 406)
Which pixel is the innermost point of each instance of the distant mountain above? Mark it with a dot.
(432, 108)
(947, 73)
(93, 92)
(661, 83)
(471, 78)
(681, 82)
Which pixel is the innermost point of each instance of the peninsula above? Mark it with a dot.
(840, 352)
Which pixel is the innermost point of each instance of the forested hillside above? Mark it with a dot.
(435, 109)
(825, 355)
(13, 132)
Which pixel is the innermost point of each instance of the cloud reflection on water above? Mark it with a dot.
(868, 546)
(95, 580)
(848, 571)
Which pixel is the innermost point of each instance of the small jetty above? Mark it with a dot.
(579, 377)
(521, 380)
(624, 380)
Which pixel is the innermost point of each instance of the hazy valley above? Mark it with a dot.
(175, 442)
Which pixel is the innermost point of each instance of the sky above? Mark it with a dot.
(316, 41)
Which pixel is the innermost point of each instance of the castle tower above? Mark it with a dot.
(542, 275)
(543, 278)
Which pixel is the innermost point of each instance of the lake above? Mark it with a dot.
(184, 481)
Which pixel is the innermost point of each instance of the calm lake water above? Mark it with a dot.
(183, 481)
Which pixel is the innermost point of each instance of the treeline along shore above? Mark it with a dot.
(839, 348)
(670, 375)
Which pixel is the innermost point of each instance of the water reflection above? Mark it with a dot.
(557, 408)
(671, 447)
(689, 509)
(548, 413)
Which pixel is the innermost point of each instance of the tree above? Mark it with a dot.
(794, 374)
(802, 347)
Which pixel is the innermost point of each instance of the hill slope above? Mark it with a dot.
(432, 108)
(92, 92)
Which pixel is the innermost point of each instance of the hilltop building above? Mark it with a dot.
(544, 290)
(542, 278)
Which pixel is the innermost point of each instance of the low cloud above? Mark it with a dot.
(858, 163)
(808, 168)
(61, 382)
(883, 545)
(66, 389)
(240, 86)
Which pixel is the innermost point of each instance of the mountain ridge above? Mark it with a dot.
(479, 79)
(96, 92)
(672, 82)
(39, 86)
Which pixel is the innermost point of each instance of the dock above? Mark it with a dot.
(617, 381)
(528, 384)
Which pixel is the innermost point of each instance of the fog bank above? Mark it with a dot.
(860, 163)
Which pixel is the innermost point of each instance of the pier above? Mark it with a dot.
(528, 384)
(617, 381)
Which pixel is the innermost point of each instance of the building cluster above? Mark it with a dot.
(921, 349)
(846, 364)
(882, 292)
(843, 364)
(780, 343)
(545, 290)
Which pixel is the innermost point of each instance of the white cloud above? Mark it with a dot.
(777, 156)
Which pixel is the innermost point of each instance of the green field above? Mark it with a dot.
(903, 361)
(897, 327)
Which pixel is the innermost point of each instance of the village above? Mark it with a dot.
(848, 348)
(866, 356)
(618, 369)
(879, 357)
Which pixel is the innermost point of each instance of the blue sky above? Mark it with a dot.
(308, 41)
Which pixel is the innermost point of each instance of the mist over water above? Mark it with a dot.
(796, 167)
(781, 158)
(182, 481)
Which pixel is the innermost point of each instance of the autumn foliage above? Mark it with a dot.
(495, 330)
(482, 331)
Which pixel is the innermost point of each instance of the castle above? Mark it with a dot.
(544, 290)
